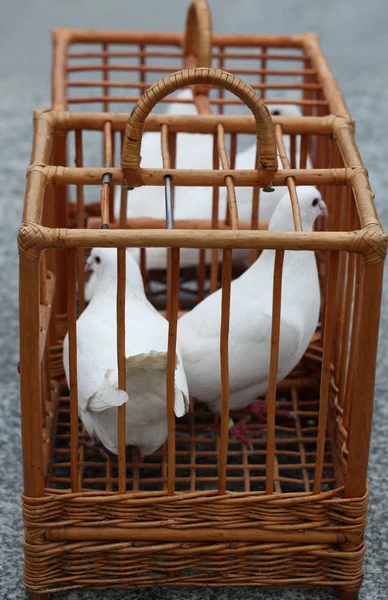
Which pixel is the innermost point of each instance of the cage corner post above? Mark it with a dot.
(61, 38)
(30, 397)
(362, 400)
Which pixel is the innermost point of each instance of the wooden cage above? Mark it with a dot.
(91, 69)
(204, 509)
(289, 512)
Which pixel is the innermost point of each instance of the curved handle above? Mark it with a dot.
(197, 49)
(265, 130)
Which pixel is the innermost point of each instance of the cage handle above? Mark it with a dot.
(197, 48)
(265, 131)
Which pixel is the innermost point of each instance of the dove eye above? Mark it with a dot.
(315, 201)
(97, 259)
(276, 113)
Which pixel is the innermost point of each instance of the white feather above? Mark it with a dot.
(146, 343)
(251, 319)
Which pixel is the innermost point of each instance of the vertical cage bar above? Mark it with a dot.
(304, 145)
(308, 94)
(201, 274)
(112, 186)
(136, 470)
(59, 157)
(121, 364)
(104, 198)
(353, 341)
(346, 328)
(73, 383)
(221, 91)
(106, 193)
(215, 210)
(290, 180)
(45, 385)
(325, 371)
(166, 160)
(341, 308)
(142, 62)
(361, 410)
(277, 486)
(231, 192)
(263, 76)
(247, 480)
(43, 279)
(192, 444)
(273, 370)
(105, 75)
(164, 467)
(233, 152)
(30, 384)
(255, 210)
(293, 151)
(48, 221)
(224, 356)
(173, 293)
(123, 196)
(298, 428)
(80, 222)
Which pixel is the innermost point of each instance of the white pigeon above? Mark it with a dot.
(251, 318)
(146, 342)
(192, 202)
(149, 201)
(193, 151)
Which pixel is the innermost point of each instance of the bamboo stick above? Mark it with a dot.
(30, 385)
(73, 383)
(121, 365)
(325, 373)
(360, 419)
(192, 535)
(187, 177)
(273, 370)
(215, 224)
(232, 202)
(185, 123)
(156, 238)
(224, 357)
(290, 182)
(171, 365)
(80, 223)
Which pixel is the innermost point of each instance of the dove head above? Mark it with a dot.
(103, 261)
(311, 206)
(284, 110)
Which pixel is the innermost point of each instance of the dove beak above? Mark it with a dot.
(324, 212)
(88, 266)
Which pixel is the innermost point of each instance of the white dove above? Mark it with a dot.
(193, 151)
(146, 343)
(149, 201)
(251, 319)
(246, 160)
(191, 202)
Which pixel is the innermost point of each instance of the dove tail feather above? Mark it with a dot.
(153, 360)
(153, 366)
(108, 395)
(182, 403)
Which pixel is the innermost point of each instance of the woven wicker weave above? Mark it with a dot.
(204, 509)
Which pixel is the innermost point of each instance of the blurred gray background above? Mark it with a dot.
(354, 38)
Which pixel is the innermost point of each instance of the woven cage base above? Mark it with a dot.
(292, 538)
(172, 556)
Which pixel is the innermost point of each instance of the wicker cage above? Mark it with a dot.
(204, 509)
(91, 69)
